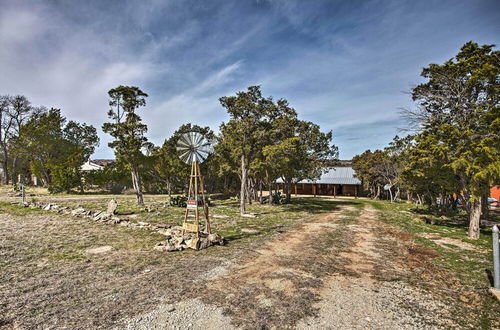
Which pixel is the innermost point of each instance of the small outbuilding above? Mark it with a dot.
(335, 181)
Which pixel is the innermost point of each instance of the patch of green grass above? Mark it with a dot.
(17, 209)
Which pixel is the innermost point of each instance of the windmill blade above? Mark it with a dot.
(197, 139)
(193, 147)
(201, 156)
(185, 156)
(183, 142)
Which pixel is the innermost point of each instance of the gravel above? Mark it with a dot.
(363, 303)
(191, 314)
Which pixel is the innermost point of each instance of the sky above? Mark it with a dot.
(346, 65)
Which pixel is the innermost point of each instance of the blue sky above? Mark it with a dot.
(346, 65)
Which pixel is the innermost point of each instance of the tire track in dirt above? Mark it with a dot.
(323, 275)
(371, 298)
(273, 285)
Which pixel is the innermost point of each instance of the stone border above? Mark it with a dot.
(174, 238)
(99, 216)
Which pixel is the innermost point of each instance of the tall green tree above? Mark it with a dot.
(40, 141)
(300, 152)
(82, 140)
(242, 135)
(56, 150)
(459, 107)
(428, 172)
(128, 131)
(368, 166)
(15, 111)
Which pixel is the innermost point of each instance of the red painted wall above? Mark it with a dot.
(495, 192)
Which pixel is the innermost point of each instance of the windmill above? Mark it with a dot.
(193, 149)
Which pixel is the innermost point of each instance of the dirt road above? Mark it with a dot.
(336, 271)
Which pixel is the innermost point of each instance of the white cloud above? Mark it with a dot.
(340, 65)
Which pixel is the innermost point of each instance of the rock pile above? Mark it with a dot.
(175, 241)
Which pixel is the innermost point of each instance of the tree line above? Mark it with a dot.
(36, 141)
(452, 155)
(262, 141)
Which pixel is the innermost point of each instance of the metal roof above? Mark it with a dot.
(334, 175)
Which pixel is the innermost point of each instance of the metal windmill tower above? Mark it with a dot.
(194, 149)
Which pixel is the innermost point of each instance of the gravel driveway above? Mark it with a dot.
(334, 272)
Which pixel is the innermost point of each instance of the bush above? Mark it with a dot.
(181, 201)
(277, 198)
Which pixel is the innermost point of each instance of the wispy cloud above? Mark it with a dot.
(344, 65)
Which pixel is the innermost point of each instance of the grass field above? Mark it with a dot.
(49, 278)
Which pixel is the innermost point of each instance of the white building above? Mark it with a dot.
(91, 166)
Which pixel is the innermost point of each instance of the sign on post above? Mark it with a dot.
(190, 227)
(191, 204)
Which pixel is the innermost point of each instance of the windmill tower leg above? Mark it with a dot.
(196, 189)
(190, 193)
(205, 206)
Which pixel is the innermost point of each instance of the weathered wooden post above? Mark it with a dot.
(496, 259)
(295, 190)
(314, 189)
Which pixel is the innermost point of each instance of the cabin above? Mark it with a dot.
(335, 181)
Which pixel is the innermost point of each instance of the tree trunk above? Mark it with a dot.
(82, 190)
(248, 191)
(390, 194)
(377, 196)
(253, 189)
(136, 182)
(485, 206)
(270, 199)
(475, 218)
(45, 174)
(270, 187)
(243, 185)
(14, 172)
(260, 190)
(288, 191)
(5, 166)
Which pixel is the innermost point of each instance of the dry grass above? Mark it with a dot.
(49, 280)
